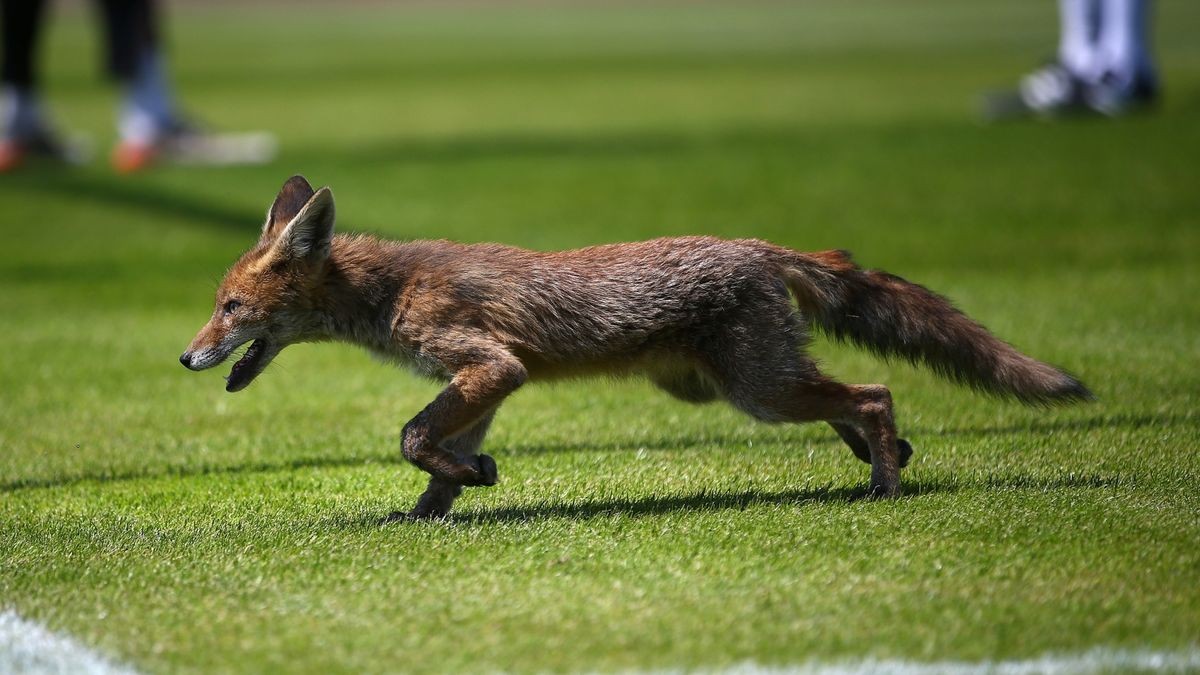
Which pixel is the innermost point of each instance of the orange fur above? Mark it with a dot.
(703, 318)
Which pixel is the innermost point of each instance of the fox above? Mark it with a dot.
(703, 318)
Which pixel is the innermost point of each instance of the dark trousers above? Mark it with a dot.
(131, 27)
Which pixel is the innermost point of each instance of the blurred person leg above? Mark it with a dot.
(1126, 75)
(1058, 86)
(150, 125)
(147, 111)
(1103, 65)
(135, 62)
(24, 128)
(1079, 37)
(22, 21)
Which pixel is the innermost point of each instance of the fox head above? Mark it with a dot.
(267, 296)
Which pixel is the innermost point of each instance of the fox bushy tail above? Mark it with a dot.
(894, 317)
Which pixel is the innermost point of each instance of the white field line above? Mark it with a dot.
(1091, 662)
(30, 648)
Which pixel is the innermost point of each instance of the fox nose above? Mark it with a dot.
(186, 359)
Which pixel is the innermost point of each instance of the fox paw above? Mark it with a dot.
(421, 513)
(485, 468)
(403, 516)
(418, 513)
(882, 491)
(904, 450)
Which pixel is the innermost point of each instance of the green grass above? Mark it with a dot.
(150, 514)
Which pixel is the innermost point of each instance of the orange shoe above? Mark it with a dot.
(129, 157)
(12, 154)
(42, 145)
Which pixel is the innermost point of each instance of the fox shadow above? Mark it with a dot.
(657, 505)
(734, 501)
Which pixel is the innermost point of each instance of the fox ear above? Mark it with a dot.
(308, 235)
(294, 194)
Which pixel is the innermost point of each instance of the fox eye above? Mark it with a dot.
(231, 306)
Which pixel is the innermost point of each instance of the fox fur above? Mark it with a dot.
(703, 318)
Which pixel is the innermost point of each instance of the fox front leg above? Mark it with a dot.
(440, 495)
(473, 393)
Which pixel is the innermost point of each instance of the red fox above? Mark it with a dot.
(703, 318)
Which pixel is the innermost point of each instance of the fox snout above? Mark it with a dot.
(201, 359)
(256, 358)
(207, 349)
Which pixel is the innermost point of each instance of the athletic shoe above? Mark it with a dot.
(187, 144)
(1108, 97)
(40, 145)
(1054, 91)
(1049, 91)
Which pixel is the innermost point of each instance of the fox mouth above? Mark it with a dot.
(249, 366)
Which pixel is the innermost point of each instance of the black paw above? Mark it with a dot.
(417, 514)
(426, 514)
(905, 451)
(486, 466)
(882, 492)
(402, 516)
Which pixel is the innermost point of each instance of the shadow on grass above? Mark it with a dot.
(188, 472)
(135, 194)
(646, 506)
(618, 445)
(720, 501)
(526, 146)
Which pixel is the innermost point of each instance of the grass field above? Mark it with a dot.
(178, 528)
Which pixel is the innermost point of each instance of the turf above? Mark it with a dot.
(153, 516)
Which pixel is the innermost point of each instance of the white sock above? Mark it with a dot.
(147, 110)
(1124, 54)
(1078, 45)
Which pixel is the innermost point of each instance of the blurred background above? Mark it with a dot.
(714, 117)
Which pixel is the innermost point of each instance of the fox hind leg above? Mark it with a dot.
(873, 404)
(692, 386)
(761, 369)
(862, 450)
(854, 440)
(867, 407)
